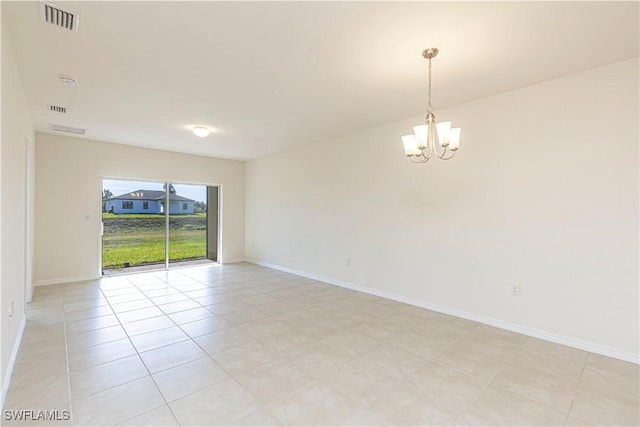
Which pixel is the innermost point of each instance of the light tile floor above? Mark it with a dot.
(245, 345)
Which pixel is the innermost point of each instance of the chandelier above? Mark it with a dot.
(422, 144)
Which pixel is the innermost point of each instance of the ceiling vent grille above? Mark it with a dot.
(67, 129)
(57, 109)
(59, 17)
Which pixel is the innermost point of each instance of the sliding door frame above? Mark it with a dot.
(167, 266)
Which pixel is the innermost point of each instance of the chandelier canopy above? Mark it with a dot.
(423, 143)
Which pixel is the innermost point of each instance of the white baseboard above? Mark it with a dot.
(232, 261)
(12, 360)
(487, 320)
(63, 280)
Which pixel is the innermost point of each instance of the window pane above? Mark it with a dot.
(134, 229)
(187, 223)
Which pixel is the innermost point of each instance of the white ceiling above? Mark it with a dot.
(267, 76)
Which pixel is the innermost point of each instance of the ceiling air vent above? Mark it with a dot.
(58, 16)
(57, 109)
(67, 129)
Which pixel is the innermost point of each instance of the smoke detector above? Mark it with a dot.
(58, 16)
(68, 80)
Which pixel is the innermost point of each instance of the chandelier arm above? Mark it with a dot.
(421, 158)
(453, 153)
(444, 152)
(429, 153)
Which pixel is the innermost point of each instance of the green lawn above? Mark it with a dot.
(138, 239)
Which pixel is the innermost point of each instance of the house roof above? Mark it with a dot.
(151, 195)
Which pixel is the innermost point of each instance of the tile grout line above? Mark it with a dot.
(234, 376)
(189, 339)
(192, 339)
(106, 299)
(231, 375)
(66, 354)
(487, 384)
(575, 392)
(143, 364)
(244, 291)
(137, 353)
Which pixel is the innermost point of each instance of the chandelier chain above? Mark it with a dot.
(430, 106)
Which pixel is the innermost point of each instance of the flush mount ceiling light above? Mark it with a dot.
(201, 131)
(421, 145)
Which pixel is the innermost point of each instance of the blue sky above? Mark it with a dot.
(118, 187)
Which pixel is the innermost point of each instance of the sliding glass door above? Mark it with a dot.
(133, 225)
(152, 225)
(187, 223)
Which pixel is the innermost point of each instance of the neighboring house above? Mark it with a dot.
(149, 201)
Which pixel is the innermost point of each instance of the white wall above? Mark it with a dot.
(17, 144)
(544, 194)
(68, 202)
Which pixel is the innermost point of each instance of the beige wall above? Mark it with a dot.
(17, 145)
(68, 203)
(543, 194)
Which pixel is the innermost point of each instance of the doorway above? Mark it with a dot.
(148, 225)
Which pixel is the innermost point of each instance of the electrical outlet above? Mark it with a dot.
(11, 309)
(349, 261)
(515, 290)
